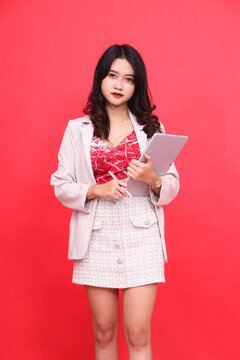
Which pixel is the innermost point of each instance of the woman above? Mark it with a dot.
(116, 241)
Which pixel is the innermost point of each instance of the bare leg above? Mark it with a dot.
(138, 305)
(103, 303)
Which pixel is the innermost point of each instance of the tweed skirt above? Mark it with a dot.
(125, 248)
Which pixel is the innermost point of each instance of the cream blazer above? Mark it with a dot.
(74, 176)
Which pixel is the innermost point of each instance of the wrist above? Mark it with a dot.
(94, 191)
(92, 194)
(152, 179)
(156, 184)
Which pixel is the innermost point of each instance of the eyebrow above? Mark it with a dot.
(118, 73)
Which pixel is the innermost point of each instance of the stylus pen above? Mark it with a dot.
(114, 177)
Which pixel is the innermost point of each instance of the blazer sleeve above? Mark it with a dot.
(170, 185)
(67, 189)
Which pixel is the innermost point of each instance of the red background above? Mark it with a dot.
(49, 53)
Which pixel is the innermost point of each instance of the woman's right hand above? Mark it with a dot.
(114, 189)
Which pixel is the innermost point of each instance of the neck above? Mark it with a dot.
(117, 113)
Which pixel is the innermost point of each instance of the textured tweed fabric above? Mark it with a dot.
(125, 247)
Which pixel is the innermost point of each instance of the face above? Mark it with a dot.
(119, 80)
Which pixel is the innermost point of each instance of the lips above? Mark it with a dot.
(117, 95)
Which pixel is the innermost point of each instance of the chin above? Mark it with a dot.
(117, 103)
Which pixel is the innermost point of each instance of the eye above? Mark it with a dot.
(130, 80)
(111, 75)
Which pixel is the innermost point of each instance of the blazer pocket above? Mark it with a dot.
(97, 224)
(143, 221)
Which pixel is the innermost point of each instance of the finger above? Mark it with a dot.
(134, 167)
(132, 174)
(116, 196)
(117, 191)
(114, 183)
(136, 163)
(132, 171)
(122, 183)
(121, 190)
(148, 158)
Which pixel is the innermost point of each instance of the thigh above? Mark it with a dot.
(138, 305)
(104, 307)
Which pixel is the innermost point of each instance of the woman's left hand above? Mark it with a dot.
(141, 171)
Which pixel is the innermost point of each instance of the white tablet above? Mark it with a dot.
(163, 149)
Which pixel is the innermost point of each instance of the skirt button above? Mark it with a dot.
(119, 261)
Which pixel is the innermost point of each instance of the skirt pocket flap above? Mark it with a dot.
(97, 224)
(142, 221)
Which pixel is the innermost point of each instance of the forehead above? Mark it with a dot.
(122, 66)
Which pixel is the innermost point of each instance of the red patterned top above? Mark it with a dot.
(105, 158)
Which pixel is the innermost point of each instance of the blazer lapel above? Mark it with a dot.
(87, 135)
(141, 135)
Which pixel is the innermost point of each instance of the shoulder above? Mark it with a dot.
(75, 126)
(79, 122)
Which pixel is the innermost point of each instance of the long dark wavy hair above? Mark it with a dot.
(139, 104)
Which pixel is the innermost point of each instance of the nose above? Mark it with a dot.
(118, 84)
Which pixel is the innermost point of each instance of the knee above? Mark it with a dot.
(138, 337)
(105, 334)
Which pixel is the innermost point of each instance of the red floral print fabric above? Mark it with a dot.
(105, 158)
